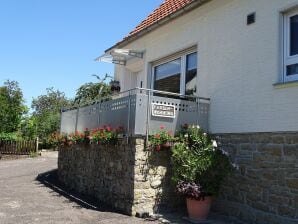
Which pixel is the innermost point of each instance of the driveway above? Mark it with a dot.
(26, 197)
(24, 200)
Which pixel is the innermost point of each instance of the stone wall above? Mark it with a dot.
(127, 177)
(265, 188)
(104, 172)
(133, 179)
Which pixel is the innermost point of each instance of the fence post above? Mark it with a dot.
(128, 118)
(61, 114)
(148, 116)
(37, 142)
(198, 111)
(77, 119)
(98, 115)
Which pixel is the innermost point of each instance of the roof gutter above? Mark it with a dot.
(159, 23)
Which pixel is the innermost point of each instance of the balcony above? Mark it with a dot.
(139, 111)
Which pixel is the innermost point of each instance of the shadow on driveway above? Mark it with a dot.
(50, 180)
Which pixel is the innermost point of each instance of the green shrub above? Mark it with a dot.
(197, 161)
(10, 137)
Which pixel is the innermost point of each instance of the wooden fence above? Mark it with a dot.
(18, 147)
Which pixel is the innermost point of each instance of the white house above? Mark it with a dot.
(243, 55)
(249, 71)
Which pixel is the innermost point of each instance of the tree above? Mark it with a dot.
(46, 112)
(90, 92)
(28, 127)
(12, 106)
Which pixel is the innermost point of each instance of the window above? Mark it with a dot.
(178, 75)
(167, 76)
(291, 46)
(191, 74)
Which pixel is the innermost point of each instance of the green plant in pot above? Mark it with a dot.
(161, 139)
(199, 168)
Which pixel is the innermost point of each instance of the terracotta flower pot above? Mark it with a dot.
(157, 148)
(164, 146)
(198, 210)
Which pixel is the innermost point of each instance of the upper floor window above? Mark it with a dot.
(291, 46)
(178, 75)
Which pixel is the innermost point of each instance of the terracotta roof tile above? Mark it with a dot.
(165, 9)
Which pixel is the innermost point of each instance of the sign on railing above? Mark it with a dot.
(161, 110)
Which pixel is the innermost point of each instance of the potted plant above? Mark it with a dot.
(161, 139)
(56, 139)
(199, 167)
(115, 86)
(79, 137)
(105, 135)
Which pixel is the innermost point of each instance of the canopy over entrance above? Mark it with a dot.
(120, 56)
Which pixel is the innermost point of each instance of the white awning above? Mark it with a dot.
(120, 56)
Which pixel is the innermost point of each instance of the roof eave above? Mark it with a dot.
(159, 23)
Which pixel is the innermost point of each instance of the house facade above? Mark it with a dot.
(248, 71)
(243, 55)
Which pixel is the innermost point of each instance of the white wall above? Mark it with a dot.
(238, 64)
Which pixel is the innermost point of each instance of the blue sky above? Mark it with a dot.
(52, 43)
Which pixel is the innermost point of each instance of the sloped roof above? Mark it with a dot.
(165, 11)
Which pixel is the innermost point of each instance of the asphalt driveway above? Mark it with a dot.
(24, 200)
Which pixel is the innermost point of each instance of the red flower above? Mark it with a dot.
(157, 136)
(162, 127)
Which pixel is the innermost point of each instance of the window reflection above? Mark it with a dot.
(294, 35)
(191, 74)
(167, 76)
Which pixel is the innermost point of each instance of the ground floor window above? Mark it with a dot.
(291, 46)
(177, 75)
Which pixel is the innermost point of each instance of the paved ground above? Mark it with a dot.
(25, 200)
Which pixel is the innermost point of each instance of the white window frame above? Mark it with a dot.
(183, 58)
(287, 59)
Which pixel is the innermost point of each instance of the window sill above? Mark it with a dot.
(281, 85)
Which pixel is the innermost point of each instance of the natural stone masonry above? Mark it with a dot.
(154, 190)
(134, 179)
(128, 177)
(104, 172)
(265, 189)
